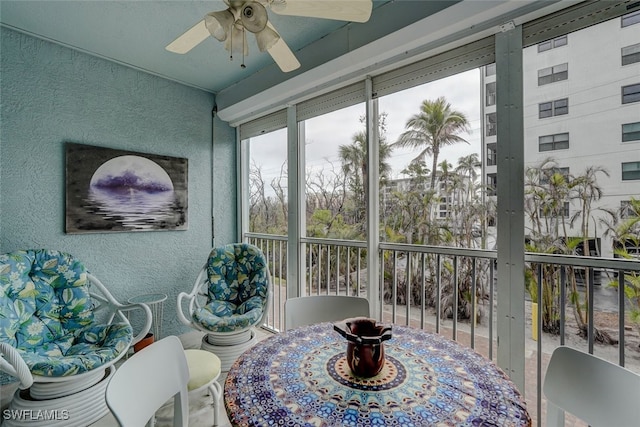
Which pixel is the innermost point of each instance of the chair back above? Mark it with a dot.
(598, 392)
(147, 380)
(322, 308)
(236, 272)
(38, 279)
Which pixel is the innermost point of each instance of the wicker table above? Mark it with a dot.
(301, 378)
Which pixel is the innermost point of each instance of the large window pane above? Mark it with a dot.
(416, 202)
(579, 180)
(336, 174)
(268, 183)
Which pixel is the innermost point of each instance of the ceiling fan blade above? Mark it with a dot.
(282, 55)
(341, 10)
(190, 39)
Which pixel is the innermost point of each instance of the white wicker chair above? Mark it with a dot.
(230, 297)
(60, 335)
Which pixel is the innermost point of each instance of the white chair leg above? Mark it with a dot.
(215, 389)
(555, 415)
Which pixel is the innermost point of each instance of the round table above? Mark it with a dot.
(301, 378)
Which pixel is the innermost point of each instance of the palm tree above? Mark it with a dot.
(468, 167)
(435, 126)
(354, 165)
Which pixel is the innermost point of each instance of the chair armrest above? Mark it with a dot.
(191, 298)
(115, 308)
(12, 363)
(179, 312)
(147, 314)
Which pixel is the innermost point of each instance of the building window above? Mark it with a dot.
(553, 74)
(630, 171)
(553, 43)
(631, 18)
(559, 141)
(492, 125)
(627, 210)
(492, 154)
(492, 184)
(546, 174)
(490, 70)
(549, 211)
(631, 54)
(491, 93)
(553, 108)
(631, 132)
(631, 93)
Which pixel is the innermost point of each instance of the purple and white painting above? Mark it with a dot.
(116, 190)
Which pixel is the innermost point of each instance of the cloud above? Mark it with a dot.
(324, 134)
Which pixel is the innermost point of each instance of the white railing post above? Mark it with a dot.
(373, 206)
(296, 227)
(510, 211)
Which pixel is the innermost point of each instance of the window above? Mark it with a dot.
(553, 74)
(267, 175)
(492, 154)
(492, 184)
(559, 141)
(553, 43)
(631, 54)
(553, 108)
(631, 132)
(630, 171)
(491, 93)
(492, 126)
(546, 174)
(631, 18)
(490, 70)
(631, 93)
(442, 209)
(627, 209)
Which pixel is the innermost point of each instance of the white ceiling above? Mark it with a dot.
(135, 33)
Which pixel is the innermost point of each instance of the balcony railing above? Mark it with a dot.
(417, 289)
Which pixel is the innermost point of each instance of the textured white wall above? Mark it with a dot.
(52, 94)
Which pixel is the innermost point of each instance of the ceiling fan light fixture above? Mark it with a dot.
(237, 42)
(266, 39)
(219, 24)
(254, 16)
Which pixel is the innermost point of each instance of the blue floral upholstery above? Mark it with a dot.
(238, 288)
(46, 313)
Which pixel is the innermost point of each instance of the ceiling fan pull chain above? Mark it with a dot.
(244, 43)
(231, 43)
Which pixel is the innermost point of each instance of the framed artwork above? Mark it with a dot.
(111, 190)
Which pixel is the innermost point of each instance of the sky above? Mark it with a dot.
(324, 134)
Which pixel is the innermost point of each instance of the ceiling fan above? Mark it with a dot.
(230, 25)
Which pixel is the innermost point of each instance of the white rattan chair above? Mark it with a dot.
(61, 332)
(230, 297)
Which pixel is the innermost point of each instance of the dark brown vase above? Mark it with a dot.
(365, 348)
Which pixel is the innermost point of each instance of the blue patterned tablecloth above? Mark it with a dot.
(301, 378)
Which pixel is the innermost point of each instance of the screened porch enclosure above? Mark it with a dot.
(334, 216)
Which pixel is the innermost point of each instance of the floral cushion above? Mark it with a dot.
(238, 287)
(47, 314)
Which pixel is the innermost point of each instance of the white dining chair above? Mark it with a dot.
(146, 381)
(308, 310)
(598, 392)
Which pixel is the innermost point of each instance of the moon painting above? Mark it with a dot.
(115, 190)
